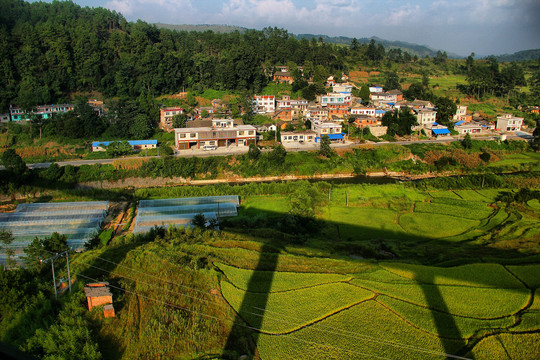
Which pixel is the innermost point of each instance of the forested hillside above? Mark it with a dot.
(51, 50)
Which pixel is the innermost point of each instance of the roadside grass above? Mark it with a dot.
(448, 326)
(291, 310)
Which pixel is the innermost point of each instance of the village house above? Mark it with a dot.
(44, 111)
(326, 128)
(338, 112)
(366, 111)
(99, 294)
(375, 89)
(315, 113)
(203, 110)
(461, 114)
(463, 128)
(4, 117)
(222, 133)
(344, 88)
(264, 104)
(507, 122)
(135, 144)
(166, 115)
(425, 117)
(361, 121)
(392, 96)
(283, 77)
(298, 137)
(334, 100)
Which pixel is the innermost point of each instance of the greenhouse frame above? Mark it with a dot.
(181, 211)
(79, 221)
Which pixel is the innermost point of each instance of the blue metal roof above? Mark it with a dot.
(131, 142)
(460, 122)
(440, 131)
(380, 112)
(435, 124)
(391, 104)
(331, 136)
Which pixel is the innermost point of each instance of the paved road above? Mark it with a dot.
(234, 150)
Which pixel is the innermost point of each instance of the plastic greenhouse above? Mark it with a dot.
(181, 211)
(79, 221)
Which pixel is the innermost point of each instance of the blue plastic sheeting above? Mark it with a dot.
(440, 131)
(435, 124)
(131, 142)
(460, 122)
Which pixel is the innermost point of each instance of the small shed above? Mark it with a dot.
(98, 294)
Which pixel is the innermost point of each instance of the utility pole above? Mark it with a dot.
(52, 258)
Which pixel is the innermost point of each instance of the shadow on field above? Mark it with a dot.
(425, 250)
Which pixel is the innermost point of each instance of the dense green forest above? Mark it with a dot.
(51, 52)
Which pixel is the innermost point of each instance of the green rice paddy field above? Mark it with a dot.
(475, 307)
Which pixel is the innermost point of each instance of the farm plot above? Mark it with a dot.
(366, 223)
(529, 274)
(431, 225)
(448, 194)
(447, 326)
(471, 195)
(457, 208)
(474, 302)
(278, 281)
(290, 310)
(507, 346)
(477, 275)
(254, 205)
(368, 330)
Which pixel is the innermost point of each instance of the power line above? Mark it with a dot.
(233, 321)
(336, 330)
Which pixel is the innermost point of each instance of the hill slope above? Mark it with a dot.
(532, 54)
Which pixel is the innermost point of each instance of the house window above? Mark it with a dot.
(192, 135)
(240, 133)
(251, 132)
(182, 136)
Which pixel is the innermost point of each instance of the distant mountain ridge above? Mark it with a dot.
(525, 55)
(413, 49)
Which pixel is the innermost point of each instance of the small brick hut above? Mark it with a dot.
(98, 294)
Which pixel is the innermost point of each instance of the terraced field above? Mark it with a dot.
(398, 311)
(392, 309)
